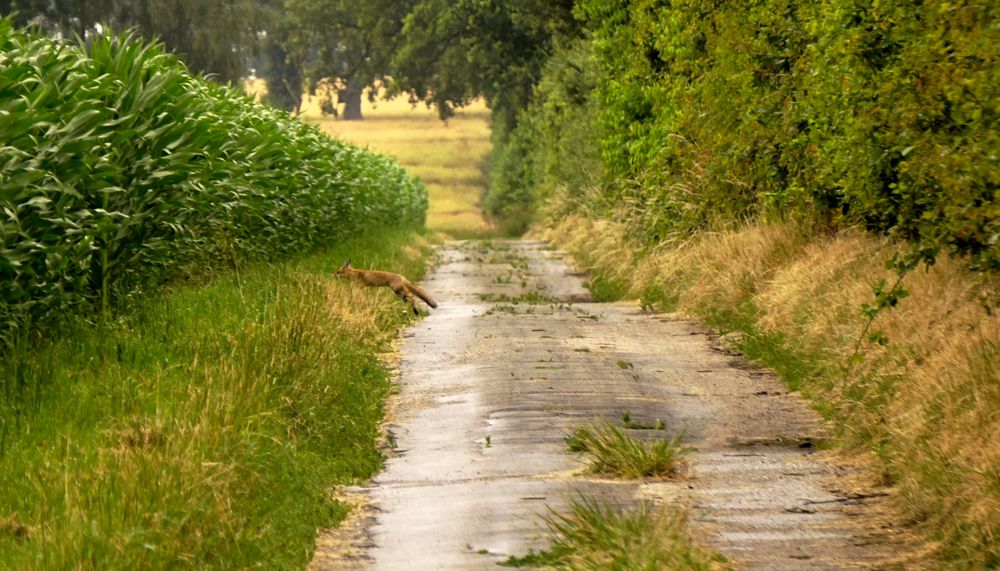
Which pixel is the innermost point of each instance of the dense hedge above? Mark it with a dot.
(118, 170)
(553, 151)
(884, 115)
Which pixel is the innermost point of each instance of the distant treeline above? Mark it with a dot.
(119, 170)
(677, 116)
(334, 47)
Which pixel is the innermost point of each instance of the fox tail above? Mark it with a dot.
(423, 295)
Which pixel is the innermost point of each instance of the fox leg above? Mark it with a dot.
(404, 295)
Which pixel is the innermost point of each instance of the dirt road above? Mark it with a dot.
(516, 357)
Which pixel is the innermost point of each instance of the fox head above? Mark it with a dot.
(343, 271)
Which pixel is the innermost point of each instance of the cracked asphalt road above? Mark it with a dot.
(517, 356)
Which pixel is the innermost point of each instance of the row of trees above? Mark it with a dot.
(339, 46)
(443, 52)
(214, 38)
(689, 114)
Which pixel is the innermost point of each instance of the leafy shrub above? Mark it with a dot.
(120, 170)
(881, 115)
(553, 149)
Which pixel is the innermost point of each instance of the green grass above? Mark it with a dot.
(769, 348)
(631, 424)
(612, 451)
(593, 535)
(204, 428)
(604, 287)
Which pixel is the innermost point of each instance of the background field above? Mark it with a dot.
(448, 156)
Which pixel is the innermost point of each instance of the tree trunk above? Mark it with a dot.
(350, 96)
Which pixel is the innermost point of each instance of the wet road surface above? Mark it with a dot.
(515, 357)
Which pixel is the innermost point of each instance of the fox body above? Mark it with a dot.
(402, 287)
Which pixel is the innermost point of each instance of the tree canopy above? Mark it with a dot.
(454, 51)
(211, 37)
(348, 43)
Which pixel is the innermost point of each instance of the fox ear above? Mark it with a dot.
(347, 264)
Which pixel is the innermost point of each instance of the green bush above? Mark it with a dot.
(120, 170)
(881, 115)
(902, 101)
(553, 150)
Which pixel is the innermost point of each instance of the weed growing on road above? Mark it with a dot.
(504, 278)
(530, 298)
(594, 535)
(505, 308)
(627, 422)
(514, 260)
(613, 452)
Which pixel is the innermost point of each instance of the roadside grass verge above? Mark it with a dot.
(611, 451)
(204, 428)
(593, 535)
(924, 403)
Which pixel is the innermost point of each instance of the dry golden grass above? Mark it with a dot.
(447, 156)
(927, 404)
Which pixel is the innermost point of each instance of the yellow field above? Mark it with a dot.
(447, 156)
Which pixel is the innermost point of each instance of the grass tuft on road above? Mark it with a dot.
(611, 451)
(594, 535)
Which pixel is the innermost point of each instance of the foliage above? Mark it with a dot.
(350, 42)
(708, 114)
(211, 37)
(66, 16)
(886, 297)
(205, 428)
(453, 52)
(553, 151)
(120, 170)
(281, 69)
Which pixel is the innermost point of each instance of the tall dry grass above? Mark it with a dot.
(927, 404)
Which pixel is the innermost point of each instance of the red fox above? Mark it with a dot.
(401, 286)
